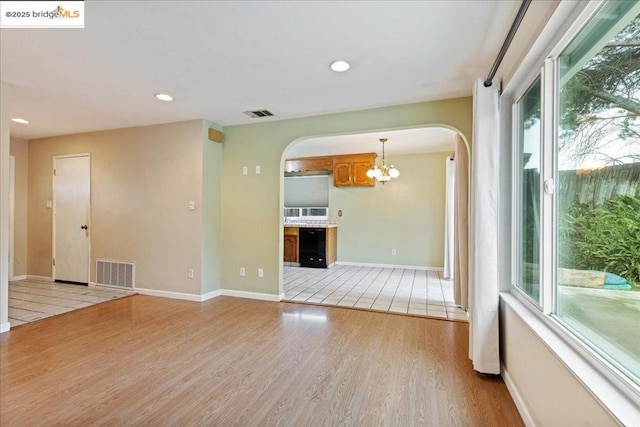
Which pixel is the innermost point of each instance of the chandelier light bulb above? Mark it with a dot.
(383, 173)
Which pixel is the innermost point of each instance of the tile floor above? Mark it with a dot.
(31, 300)
(396, 290)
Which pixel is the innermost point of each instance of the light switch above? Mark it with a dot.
(192, 205)
(245, 170)
(49, 204)
(257, 169)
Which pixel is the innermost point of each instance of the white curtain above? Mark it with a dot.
(449, 219)
(483, 275)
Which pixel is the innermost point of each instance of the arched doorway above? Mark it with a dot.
(399, 225)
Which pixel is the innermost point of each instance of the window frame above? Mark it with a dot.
(594, 370)
(516, 191)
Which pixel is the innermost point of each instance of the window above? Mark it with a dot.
(598, 181)
(589, 117)
(528, 111)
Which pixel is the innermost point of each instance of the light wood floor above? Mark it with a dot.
(232, 361)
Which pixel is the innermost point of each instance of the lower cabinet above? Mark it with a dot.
(290, 244)
(311, 247)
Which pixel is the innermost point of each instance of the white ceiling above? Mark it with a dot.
(221, 58)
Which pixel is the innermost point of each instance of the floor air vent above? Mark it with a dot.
(115, 273)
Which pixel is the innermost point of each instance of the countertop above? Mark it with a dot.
(310, 225)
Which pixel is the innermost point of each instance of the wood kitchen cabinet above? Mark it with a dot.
(290, 249)
(351, 170)
(308, 164)
(332, 246)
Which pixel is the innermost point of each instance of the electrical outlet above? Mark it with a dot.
(393, 251)
(260, 272)
(243, 272)
(192, 205)
(258, 170)
(245, 170)
(190, 274)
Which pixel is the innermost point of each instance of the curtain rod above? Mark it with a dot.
(507, 41)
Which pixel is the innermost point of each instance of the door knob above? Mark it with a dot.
(84, 227)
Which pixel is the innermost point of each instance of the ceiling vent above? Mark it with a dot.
(258, 113)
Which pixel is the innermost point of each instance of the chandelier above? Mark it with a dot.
(384, 172)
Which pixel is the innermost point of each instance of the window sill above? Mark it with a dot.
(620, 397)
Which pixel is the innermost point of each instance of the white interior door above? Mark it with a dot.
(71, 197)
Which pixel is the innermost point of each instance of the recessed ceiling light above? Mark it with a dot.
(340, 66)
(20, 120)
(164, 97)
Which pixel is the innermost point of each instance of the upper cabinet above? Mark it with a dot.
(349, 170)
(308, 164)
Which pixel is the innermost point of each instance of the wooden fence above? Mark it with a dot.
(596, 186)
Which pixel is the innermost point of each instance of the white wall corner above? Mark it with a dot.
(210, 295)
(4, 327)
(5, 124)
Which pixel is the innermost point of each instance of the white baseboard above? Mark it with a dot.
(178, 295)
(517, 398)
(4, 327)
(208, 295)
(16, 278)
(408, 267)
(168, 294)
(252, 295)
(41, 278)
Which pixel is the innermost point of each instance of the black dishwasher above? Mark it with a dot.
(312, 243)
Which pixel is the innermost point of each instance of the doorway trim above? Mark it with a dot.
(283, 157)
(53, 213)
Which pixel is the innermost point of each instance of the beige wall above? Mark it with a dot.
(552, 395)
(251, 204)
(141, 182)
(406, 214)
(20, 150)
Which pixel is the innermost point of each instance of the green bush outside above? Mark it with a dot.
(604, 238)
